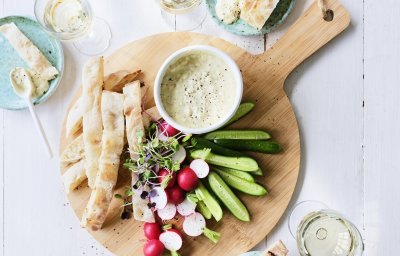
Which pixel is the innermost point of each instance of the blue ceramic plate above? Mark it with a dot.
(240, 27)
(252, 253)
(10, 59)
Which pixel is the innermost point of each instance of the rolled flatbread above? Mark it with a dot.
(74, 118)
(117, 80)
(257, 12)
(133, 117)
(149, 115)
(111, 149)
(28, 51)
(74, 176)
(92, 86)
(113, 82)
(134, 128)
(74, 152)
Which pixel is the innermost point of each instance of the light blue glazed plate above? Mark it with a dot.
(10, 59)
(240, 27)
(252, 253)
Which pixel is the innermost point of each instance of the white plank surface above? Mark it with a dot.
(382, 124)
(2, 164)
(327, 92)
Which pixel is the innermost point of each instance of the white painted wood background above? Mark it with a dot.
(349, 152)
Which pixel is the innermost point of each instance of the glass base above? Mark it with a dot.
(189, 21)
(300, 210)
(98, 39)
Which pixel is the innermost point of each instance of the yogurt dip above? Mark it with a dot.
(198, 89)
(21, 77)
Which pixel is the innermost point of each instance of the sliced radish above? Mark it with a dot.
(194, 224)
(168, 212)
(171, 240)
(180, 155)
(158, 197)
(186, 208)
(167, 129)
(200, 167)
(161, 136)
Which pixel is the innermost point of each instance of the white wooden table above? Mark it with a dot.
(345, 98)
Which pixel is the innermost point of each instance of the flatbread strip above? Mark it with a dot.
(74, 118)
(276, 249)
(74, 152)
(134, 126)
(117, 80)
(133, 116)
(257, 12)
(149, 115)
(28, 51)
(111, 149)
(74, 176)
(92, 86)
(112, 82)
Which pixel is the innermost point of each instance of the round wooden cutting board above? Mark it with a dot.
(264, 76)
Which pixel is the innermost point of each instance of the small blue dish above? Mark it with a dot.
(9, 59)
(241, 28)
(252, 253)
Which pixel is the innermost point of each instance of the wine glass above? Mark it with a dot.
(183, 15)
(73, 20)
(320, 231)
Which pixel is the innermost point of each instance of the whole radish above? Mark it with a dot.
(175, 195)
(167, 174)
(152, 230)
(153, 247)
(187, 179)
(167, 129)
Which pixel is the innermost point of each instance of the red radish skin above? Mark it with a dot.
(152, 230)
(161, 136)
(171, 239)
(200, 167)
(175, 195)
(187, 179)
(153, 247)
(163, 173)
(168, 212)
(167, 129)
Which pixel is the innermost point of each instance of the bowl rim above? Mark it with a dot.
(182, 52)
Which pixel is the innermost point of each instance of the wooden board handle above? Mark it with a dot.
(308, 34)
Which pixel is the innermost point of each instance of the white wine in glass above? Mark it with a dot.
(324, 232)
(74, 20)
(183, 15)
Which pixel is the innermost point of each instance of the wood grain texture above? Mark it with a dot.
(264, 76)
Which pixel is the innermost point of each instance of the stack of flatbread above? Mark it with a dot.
(253, 12)
(108, 113)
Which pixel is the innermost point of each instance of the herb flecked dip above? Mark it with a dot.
(198, 89)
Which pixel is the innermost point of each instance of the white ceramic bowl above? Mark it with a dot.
(183, 52)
